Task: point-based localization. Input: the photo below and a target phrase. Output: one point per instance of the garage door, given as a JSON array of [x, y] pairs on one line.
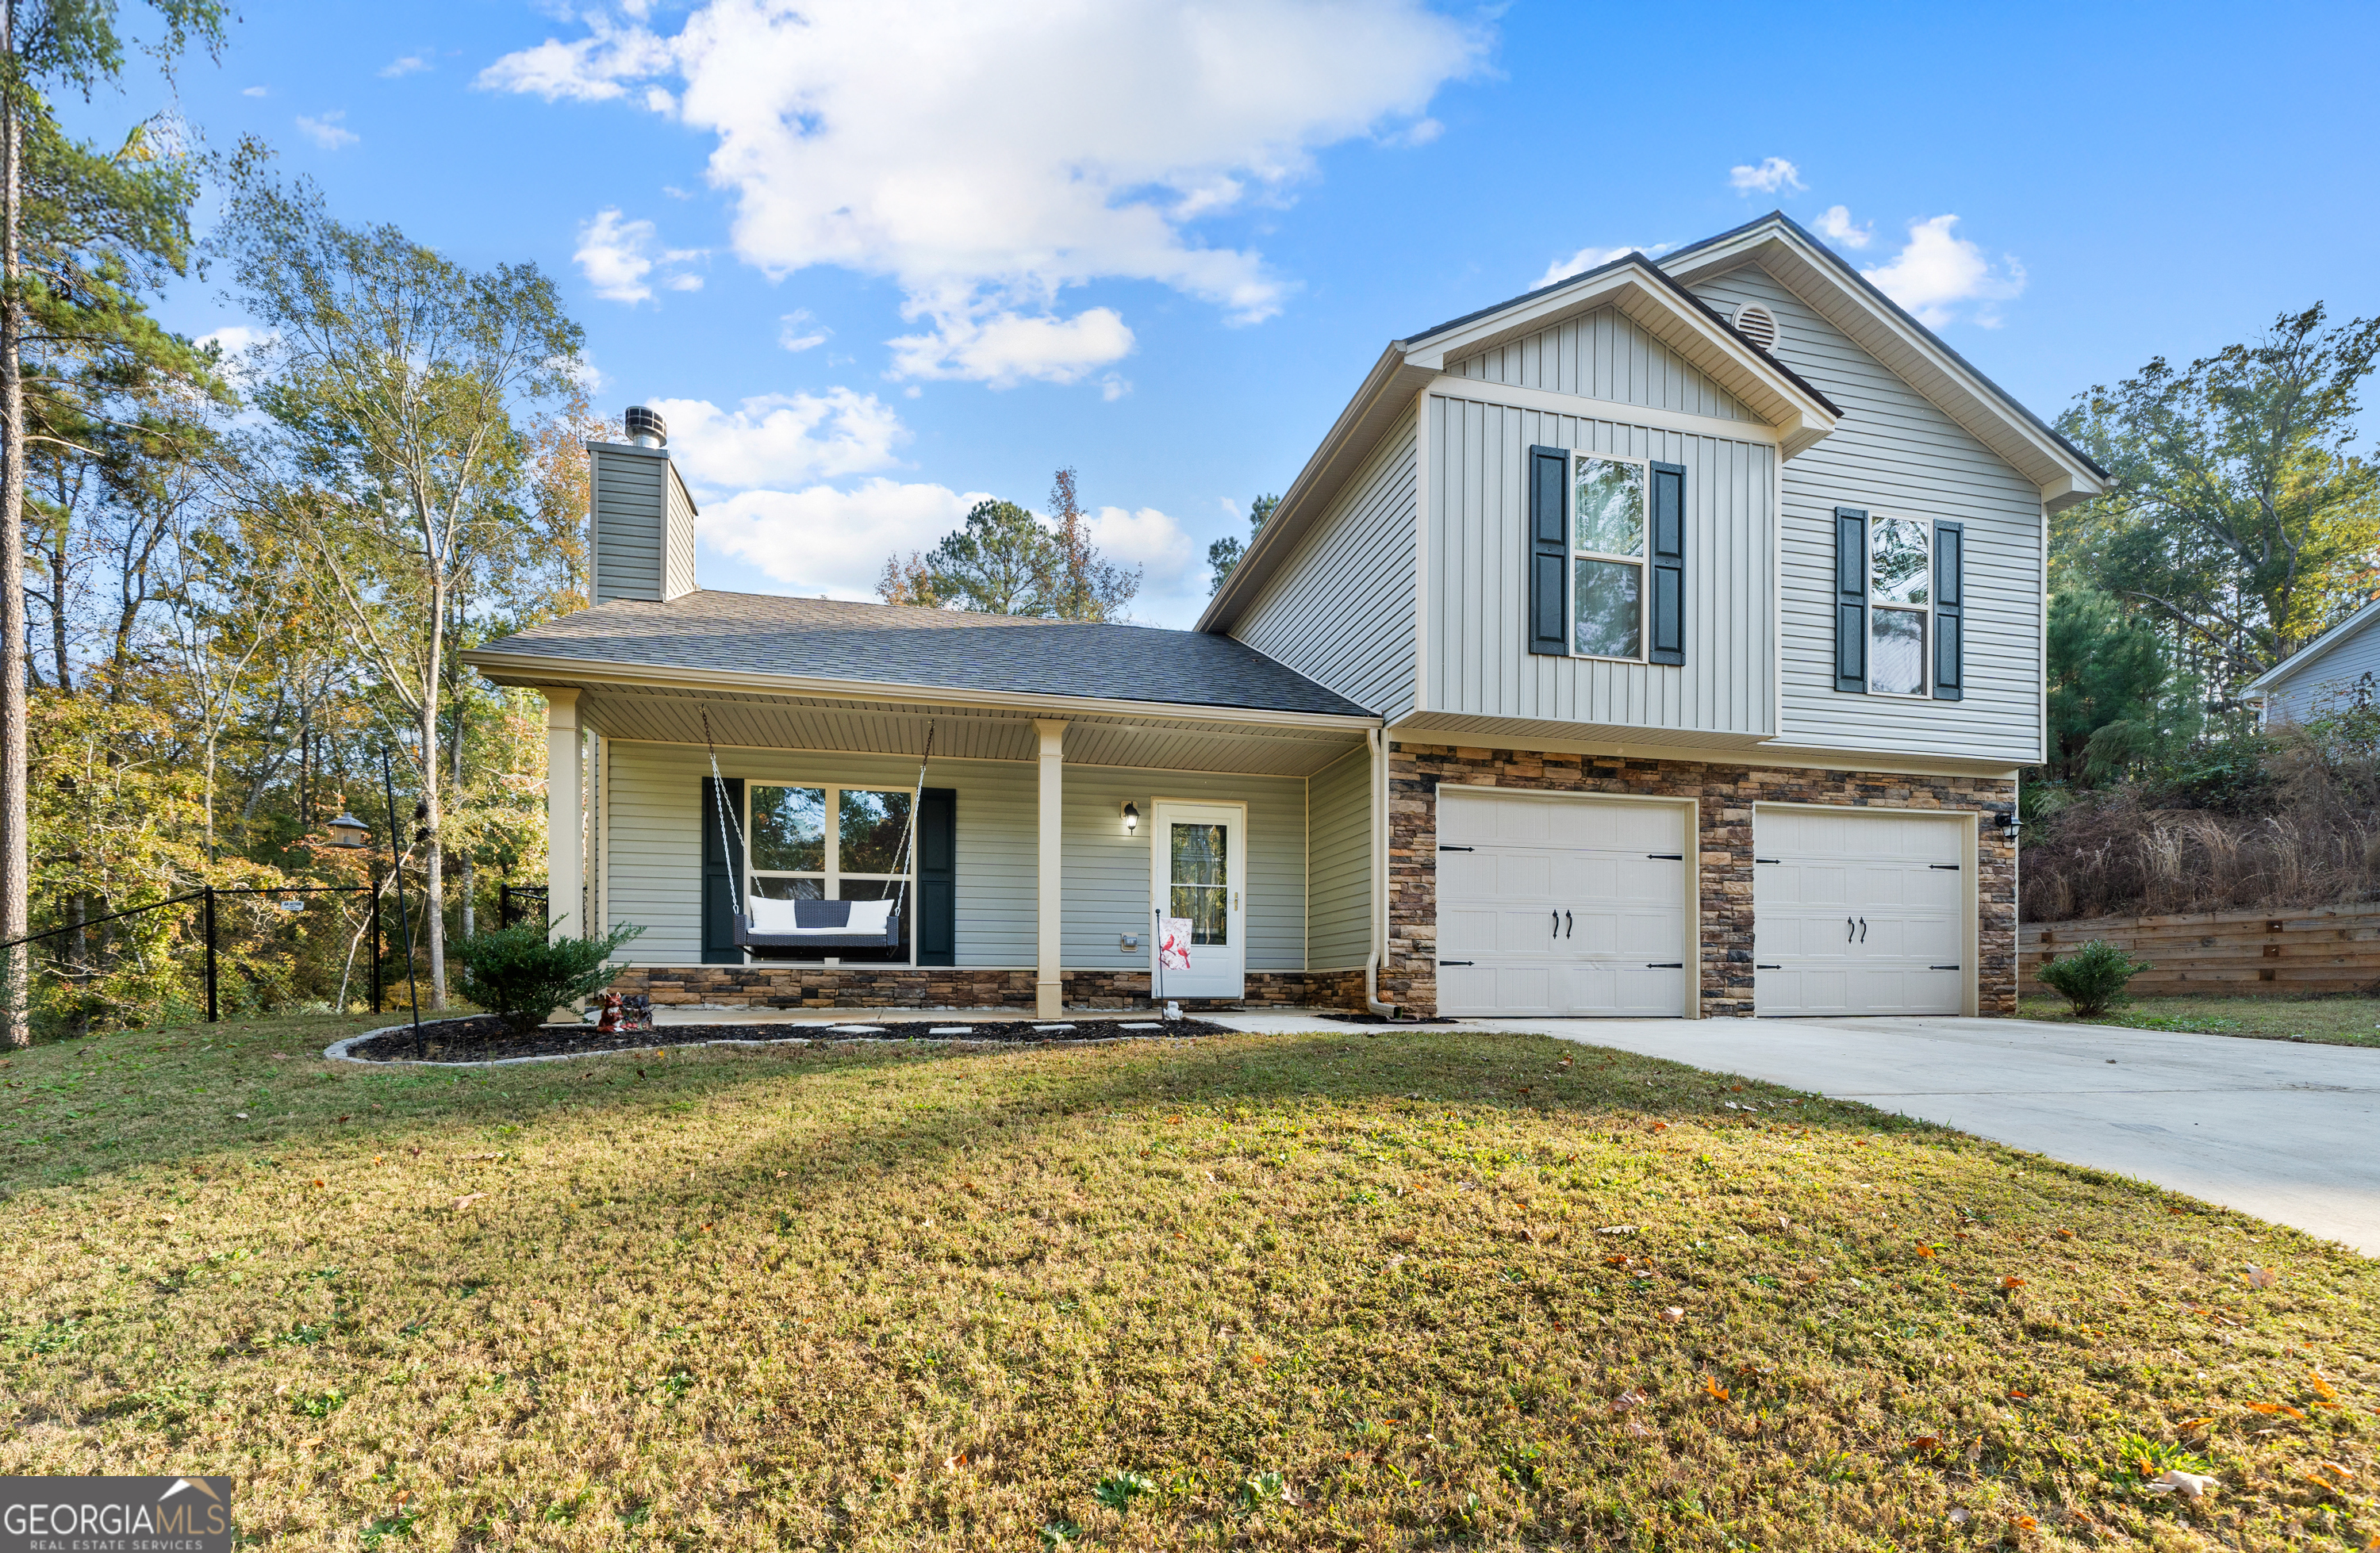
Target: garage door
[[1858, 912], [1559, 904]]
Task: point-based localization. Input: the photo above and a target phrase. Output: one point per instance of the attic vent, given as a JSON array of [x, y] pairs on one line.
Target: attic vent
[[1758, 326]]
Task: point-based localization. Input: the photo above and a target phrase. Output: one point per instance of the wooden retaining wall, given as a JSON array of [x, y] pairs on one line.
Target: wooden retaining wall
[[2225, 953]]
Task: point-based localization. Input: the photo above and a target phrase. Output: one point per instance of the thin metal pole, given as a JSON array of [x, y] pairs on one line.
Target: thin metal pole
[[404, 925], [207, 919], [375, 945]]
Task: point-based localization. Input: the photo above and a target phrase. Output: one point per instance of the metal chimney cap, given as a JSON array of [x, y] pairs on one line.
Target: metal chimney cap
[[646, 427]]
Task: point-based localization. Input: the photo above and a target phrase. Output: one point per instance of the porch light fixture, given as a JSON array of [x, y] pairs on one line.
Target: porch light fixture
[[348, 833], [1131, 819], [2007, 822]]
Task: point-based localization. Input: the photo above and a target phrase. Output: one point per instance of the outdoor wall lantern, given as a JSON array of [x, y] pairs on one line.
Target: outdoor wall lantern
[[2007, 822], [1131, 819], [348, 832]]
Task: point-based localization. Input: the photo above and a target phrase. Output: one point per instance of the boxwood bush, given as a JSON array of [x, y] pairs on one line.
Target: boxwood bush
[[519, 973]]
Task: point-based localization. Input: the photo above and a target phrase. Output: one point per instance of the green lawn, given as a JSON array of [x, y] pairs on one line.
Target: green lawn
[[2336, 1020], [1405, 1289]]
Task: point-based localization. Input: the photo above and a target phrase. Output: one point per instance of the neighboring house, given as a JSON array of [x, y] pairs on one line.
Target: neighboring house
[[2330, 672], [1665, 641]]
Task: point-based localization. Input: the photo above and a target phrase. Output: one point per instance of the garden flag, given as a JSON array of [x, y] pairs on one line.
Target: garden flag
[[1173, 943]]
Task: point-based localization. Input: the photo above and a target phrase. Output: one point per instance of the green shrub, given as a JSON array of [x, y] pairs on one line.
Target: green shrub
[[2093, 977], [517, 972]]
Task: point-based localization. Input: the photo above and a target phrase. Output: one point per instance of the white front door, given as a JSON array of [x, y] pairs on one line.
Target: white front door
[[1198, 867], [1560, 904], [1858, 911]]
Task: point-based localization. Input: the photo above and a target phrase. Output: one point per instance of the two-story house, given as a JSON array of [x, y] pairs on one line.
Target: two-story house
[[1665, 641]]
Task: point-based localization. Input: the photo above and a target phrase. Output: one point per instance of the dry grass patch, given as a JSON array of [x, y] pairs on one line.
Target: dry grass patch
[[1398, 1291], [2334, 1021]]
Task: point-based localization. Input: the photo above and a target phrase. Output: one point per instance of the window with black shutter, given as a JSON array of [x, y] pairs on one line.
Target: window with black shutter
[[722, 861], [1548, 553], [1850, 600], [1666, 609], [1949, 611]]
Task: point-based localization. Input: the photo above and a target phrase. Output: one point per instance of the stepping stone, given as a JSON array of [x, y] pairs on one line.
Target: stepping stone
[[1140, 1026], [1054, 1027], [952, 1030], [857, 1029]]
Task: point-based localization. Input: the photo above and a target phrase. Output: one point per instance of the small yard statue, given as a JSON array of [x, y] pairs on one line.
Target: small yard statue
[[632, 1011]]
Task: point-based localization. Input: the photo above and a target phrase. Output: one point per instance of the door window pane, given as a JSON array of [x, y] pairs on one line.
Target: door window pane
[[1610, 617], [1896, 655], [789, 829], [1200, 888], [1609, 507], [782, 889], [1900, 565], [873, 825]]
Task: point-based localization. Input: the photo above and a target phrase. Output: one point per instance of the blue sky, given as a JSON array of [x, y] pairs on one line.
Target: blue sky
[[875, 258]]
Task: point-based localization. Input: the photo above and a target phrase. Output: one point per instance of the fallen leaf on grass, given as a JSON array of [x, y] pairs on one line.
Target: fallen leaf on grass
[[2323, 1388], [2026, 1523], [466, 1201], [2275, 1408], [2011, 1282], [2344, 1475], [1617, 1229], [2189, 1485], [2193, 1423], [1711, 1388], [1960, 1517], [2261, 1278], [1925, 1251], [1628, 1399], [2065, 1234], [1639, 1430], [1673, 1314]]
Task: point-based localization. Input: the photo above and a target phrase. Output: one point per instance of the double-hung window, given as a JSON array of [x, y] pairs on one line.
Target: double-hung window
[[827, 843], [1606, 557], [1900, 605]]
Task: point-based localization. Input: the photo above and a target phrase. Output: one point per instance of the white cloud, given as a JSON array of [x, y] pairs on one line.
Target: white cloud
[[1004, 348], [1938, 272], [254, 91], [825, 540], [404, 65], [986, 156], [236, 337], [780, 440], [1835, 225], [797, 331], [1587, 259], [326, 132], [1771, 175], [618, 258]]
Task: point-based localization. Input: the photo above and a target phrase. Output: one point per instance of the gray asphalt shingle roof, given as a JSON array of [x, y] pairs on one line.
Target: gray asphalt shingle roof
[[942, 650]]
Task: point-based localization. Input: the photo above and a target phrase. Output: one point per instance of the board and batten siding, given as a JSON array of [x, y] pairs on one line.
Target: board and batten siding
[[1478, 658], [654, 809], [1341, 609], [1603, 356], [1338, 864], [2329, 683], [1895, 454]]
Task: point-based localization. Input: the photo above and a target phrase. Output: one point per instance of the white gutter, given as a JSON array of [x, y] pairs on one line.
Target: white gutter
[[1379, 752]]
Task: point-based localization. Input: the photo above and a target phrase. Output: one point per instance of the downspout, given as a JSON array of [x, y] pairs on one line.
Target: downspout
[[1379, 752]]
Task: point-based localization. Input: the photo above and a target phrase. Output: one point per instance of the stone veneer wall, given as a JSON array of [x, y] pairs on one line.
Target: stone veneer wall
[[781, 985], [1409, 974]]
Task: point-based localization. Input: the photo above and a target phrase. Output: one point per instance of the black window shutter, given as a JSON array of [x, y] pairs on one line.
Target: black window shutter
[[722, 860], [1549, 559], [938, 896], [1949, 611], [1850, 600], [1667, 554]]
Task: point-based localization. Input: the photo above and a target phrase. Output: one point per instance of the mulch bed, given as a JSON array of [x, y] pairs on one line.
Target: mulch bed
[[484, 1038]]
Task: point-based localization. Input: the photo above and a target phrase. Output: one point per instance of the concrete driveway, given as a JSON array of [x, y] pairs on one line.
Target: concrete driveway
[[2286, 1132]]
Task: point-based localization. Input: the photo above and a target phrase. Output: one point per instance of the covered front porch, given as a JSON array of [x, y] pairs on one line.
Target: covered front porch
[[1029, 866]]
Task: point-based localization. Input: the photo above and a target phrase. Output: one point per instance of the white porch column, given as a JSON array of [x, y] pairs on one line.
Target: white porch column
[[566, 855], [1049, 987]]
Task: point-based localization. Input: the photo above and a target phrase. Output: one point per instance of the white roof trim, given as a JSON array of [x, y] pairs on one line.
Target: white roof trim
[[2318, 648], [1907, 347], [1799, 416]]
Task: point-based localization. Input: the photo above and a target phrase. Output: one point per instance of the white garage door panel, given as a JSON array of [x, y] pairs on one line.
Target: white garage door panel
[[1556, 907], [1858, 913]]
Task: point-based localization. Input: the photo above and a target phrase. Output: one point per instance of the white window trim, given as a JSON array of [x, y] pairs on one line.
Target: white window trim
[[831, 879], [1640, 560], [1925, 691]]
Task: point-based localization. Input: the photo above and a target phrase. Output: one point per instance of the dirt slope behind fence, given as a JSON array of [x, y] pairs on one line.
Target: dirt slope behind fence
[[2225, 953]]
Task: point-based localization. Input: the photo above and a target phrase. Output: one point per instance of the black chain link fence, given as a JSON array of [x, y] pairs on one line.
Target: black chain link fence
[[213, 954]]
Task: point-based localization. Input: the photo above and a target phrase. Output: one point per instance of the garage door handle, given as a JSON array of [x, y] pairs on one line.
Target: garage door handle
[[1557, 916], [1941, 967], [1951, 868], [1851, 929], [1567, 925], [1667, 856], [1454, 961], [1862, 929], [1443, 847], [1764, 859], [1760, 967], [1666, 966]]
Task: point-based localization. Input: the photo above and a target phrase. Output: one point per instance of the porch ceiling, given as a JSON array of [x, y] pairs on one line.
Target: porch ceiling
[[753, 721]]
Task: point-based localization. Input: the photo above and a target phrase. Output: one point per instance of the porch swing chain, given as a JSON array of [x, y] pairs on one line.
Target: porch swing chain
[[727, 817]]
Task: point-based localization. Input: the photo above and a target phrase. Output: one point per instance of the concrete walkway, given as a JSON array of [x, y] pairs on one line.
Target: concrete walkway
[[2286, 1132]]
